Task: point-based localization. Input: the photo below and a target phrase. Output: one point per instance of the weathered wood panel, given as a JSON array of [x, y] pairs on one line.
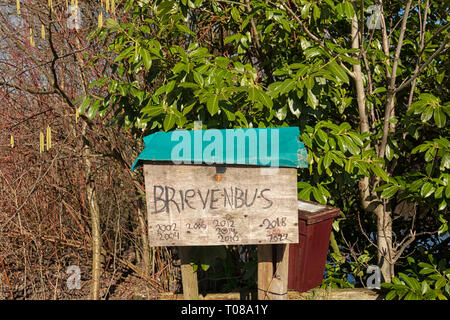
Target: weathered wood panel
[[191, 205]]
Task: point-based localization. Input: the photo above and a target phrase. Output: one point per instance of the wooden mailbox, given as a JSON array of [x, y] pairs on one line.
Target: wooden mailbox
[[222, 187], [208, 205]]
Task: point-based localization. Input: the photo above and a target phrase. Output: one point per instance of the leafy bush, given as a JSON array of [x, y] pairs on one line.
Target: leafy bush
[[422, 281]]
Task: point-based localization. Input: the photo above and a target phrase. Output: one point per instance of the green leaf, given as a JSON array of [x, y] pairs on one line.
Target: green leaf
[[184, 28], [327, 160], [112, 24], [170, 86], [152, 110], [439, 117], [235, 14], [353, 61], [389, 192], [411, 296], [169, 121], [356, 138], [319, 196], [316, 12], [389, 152], [146, 58], [445, 162], [429, 98], [305, 11], [427, 114], [348, 9], [86, 102], [312, 100], [312, 52], [205, 267], [338, 71], [322, 135], [305, 193], [180, 66], [233, 37], [427, 189], [380, 172], [440, 283], [351, 146], [391, 295], [426, 271], [285, 25], [281, 113], [93, 109], [411, 282], [212, 104], [198, 78], [418, 107], [264, 98], [287, 85]]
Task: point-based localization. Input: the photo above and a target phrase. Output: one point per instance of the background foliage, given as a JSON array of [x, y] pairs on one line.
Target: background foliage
[[259, 64], [372, 105]]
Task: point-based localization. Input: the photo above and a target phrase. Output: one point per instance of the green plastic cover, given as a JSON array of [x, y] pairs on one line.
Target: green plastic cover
[[271, 147]]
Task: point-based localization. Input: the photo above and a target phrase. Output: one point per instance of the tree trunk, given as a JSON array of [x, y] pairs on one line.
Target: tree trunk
[[144, 238], [91, 195], [370, 202], [384, 243]]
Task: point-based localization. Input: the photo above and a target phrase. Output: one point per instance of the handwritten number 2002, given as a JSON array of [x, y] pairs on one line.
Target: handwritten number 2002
[[167, 231]]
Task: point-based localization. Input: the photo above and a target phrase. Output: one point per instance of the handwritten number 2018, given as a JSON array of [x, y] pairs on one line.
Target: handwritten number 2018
[[272, 224]]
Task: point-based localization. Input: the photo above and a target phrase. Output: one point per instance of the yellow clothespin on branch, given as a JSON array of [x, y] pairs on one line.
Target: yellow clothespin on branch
[[49, 138], [31, 37], [100, 19], [12, 141], [41, 142], [42, 31], [18, 6]]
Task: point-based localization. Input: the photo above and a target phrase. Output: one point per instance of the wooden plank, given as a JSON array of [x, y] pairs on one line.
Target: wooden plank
[[190, 205], [265, 271], [188, 276], [209, 296], [273, 268], [313, 294], [279, 285]]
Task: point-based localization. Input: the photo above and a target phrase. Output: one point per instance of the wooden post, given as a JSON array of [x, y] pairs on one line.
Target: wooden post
[[265, 270], [273, 265], [279, 285], [188, 276]]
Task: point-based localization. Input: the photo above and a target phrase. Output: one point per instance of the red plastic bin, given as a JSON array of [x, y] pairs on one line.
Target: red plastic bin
[[307, 258]]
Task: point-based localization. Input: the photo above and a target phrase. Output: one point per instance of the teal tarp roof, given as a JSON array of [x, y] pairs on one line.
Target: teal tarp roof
[[272, 147]]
